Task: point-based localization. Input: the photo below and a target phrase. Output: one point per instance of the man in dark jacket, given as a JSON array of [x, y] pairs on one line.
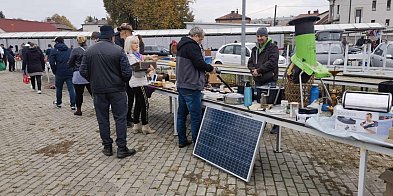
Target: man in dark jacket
[[190, 80], [263, 62], [106, 67], [11, 58], [58, 60]]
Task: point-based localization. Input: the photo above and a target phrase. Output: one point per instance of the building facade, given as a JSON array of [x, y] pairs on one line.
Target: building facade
[[361, 11]]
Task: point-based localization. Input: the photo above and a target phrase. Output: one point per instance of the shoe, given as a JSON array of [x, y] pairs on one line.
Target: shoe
[[33, 90], [39, 92], [73, 108], [137, 128], [185, 145], [147, 130], [275, 129], [57, 105], [78, 113], [108, 151], [125, 152], [129, 124]]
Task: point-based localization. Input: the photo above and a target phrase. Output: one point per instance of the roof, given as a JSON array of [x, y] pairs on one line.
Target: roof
[[232, 16], [209, 32], [19, 25], [97, 22], [61, 26]]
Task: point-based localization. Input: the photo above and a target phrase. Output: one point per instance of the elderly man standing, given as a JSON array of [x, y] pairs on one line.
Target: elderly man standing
[[124, 31], [106, 67], [263, 62], [190, 80]]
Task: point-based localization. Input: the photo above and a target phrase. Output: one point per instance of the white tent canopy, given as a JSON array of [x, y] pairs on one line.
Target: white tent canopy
[[182, 32]]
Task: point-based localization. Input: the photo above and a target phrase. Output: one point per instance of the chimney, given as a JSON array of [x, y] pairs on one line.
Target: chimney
[[237, 11], [316, 11], [103, 18], [309, 12], [232, 12]]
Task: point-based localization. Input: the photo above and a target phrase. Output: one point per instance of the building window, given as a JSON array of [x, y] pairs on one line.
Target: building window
[[338, 9], [374, 6], [387, 22], [358, 16], [372, 21], [388, 5]]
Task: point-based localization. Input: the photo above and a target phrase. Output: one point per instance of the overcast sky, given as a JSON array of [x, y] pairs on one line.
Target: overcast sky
[[204, 10]]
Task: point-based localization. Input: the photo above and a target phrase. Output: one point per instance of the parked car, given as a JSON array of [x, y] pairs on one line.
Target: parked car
[[336, 52], [230, 54], [156, 50], [376, 58]]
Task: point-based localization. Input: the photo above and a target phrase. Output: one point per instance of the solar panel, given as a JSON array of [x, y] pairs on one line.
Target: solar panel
[[229, 141]]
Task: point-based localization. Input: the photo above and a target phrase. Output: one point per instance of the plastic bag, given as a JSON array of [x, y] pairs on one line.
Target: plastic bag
[[26, 79]]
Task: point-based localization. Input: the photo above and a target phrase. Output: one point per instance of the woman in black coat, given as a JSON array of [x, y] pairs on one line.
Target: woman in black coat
[[34, 65]]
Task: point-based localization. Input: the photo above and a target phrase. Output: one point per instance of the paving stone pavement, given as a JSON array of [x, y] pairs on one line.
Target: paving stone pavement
[[49, 151]]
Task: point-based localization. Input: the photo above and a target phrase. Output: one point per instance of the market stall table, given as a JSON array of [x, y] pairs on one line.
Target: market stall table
[[284, 120]]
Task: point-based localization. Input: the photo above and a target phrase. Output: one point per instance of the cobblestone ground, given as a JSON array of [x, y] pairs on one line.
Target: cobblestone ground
[[49, 151]]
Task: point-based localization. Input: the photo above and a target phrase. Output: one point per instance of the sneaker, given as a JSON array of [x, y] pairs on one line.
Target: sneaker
[[147, 130], [39, 92], [33, 90], [108, 151], [137, 128], [185, 144], [125, 152], [78, 113], [57, 105], [73, 108]]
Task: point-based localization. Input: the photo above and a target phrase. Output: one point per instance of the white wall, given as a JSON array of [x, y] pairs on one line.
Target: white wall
[[380, 15]]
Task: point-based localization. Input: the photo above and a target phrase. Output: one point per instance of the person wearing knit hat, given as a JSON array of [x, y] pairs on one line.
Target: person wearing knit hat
[[263, 63], [106, 67], [80, 83]]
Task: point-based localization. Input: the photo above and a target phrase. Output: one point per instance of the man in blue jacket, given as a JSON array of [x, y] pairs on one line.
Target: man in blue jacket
[[190, 81], [106, 67], [58, 60]]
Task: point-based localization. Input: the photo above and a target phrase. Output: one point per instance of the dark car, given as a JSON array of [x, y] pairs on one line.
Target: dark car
[[156, 50]]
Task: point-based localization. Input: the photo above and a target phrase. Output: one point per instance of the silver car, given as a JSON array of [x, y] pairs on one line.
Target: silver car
[[336, 52], [376, 58]]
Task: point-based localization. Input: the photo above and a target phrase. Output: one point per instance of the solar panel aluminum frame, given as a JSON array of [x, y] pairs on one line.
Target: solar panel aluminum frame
[[255, 149]]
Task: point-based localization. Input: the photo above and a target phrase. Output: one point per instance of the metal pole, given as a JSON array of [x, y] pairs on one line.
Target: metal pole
[[329, 53], [350, 10], [362, 171], [301, 90], [243, 40], [275, 14]]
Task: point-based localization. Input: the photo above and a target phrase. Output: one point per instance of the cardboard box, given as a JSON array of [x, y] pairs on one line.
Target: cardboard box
[[387, 176], [363, 121], [213, 79]]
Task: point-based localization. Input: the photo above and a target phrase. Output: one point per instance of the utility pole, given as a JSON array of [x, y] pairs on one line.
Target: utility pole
[[350, 10], [243, 40], [275, 14]]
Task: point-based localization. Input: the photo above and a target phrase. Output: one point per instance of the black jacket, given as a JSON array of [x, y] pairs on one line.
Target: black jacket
[[106, 67], [118, 40], [34, 60], [76, 57], [266, 63], [10, 55], [58, 60], [190, 65]]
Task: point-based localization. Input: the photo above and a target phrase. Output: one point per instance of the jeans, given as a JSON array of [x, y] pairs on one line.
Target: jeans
[[190, 101], [59, 81], [33, 79], [79, 90], [141, 105], [118, 103]]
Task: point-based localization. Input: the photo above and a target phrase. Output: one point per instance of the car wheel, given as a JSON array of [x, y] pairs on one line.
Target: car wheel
[[218, 62]]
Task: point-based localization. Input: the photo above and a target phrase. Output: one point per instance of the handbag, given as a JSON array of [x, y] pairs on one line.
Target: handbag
[[26, 79]]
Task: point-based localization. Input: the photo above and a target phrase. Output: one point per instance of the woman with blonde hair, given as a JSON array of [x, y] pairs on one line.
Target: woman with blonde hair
[[138, 82], [80, 83]]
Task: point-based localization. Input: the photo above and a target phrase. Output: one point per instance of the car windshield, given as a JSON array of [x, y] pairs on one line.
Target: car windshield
[[323, 48]]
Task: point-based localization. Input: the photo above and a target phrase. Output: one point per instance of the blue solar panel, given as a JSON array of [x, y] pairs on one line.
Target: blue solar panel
[[229, 141]]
